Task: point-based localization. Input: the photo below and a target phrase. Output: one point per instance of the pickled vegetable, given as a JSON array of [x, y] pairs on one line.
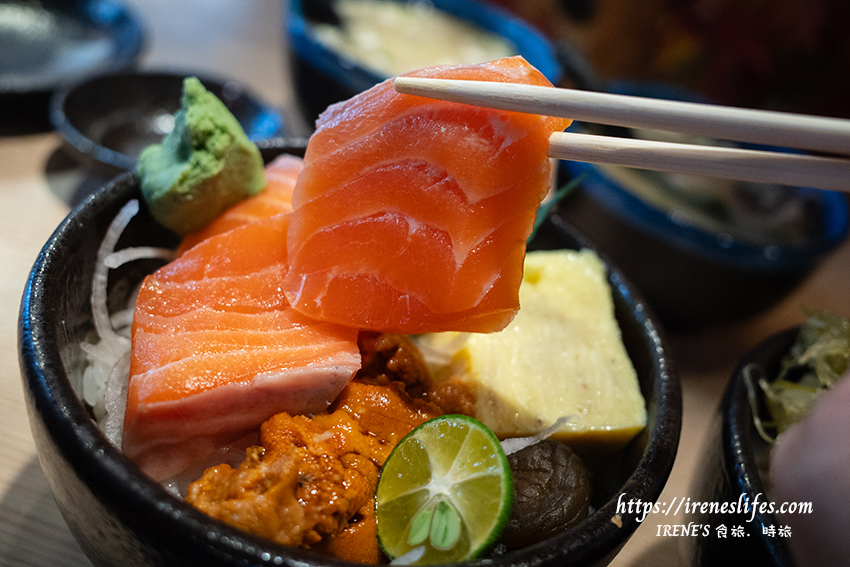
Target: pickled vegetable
[[818, 358]]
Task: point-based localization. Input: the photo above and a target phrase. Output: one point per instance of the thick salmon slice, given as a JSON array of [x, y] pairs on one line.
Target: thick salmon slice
[[217, 350], [276, 198], [411, 214]]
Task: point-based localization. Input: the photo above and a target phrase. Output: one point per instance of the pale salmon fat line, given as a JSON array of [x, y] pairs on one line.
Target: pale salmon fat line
[[419, 208]]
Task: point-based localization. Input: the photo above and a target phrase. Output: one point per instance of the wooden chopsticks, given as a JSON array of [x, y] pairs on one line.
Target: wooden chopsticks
[[803, 132]]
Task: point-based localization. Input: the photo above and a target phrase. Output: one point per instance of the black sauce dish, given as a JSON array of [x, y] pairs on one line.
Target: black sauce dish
[[45, 44], [121, 517], [702, 261], [735, 457], [109, 119], [322, 76]]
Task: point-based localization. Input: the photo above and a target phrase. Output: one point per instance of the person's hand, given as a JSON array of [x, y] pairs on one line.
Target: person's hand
[[811, 463]]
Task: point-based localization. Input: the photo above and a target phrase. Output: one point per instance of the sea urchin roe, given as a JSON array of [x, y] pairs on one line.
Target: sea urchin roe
[[295, 489], [388, 357], [391, 357], [313, 478]]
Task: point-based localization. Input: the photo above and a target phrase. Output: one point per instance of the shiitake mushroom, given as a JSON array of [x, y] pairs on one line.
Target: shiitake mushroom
[[552, 490]]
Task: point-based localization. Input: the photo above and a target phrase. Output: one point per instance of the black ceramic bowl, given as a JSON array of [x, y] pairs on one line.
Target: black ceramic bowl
[[703, 260], [731, 473], [121, 517], [322, 76], [111, 118]]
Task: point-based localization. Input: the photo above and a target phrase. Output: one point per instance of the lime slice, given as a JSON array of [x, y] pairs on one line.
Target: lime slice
[[445, 493]]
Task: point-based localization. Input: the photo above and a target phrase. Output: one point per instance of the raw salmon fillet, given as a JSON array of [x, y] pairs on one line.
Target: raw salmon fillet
[[411, 214], [217, 350], [276, 198]]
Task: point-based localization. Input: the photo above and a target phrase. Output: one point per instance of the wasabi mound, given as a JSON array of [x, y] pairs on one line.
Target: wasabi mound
[[204, 166]]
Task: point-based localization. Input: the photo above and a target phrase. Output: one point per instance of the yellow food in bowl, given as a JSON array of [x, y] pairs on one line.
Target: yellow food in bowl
[[394, 37], [561, 356]]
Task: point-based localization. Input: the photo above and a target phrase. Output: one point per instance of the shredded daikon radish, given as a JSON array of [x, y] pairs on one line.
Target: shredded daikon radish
[[410, 557], [121, 321], [115, 400], [104, 386], [116, 343], [441, 352], [121, 257], [518, 443]]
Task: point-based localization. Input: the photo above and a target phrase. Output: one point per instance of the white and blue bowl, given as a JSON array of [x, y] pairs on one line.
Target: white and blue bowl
[[694, 276], [323, 76]]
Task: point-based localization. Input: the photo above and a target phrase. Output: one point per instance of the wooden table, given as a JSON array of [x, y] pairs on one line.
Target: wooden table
[[244, 40]]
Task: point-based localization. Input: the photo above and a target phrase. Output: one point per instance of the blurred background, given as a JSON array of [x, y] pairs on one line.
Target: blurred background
[[779, 54]]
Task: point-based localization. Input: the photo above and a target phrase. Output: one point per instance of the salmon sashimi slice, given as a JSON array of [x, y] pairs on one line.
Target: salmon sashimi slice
[[276, 198], [411, 214], [217, 350]]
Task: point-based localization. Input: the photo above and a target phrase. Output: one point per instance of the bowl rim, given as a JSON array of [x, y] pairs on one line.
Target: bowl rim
[[737, 436], [114, 17], [530, 43], [90, 454], [704, 242], [86, 146]]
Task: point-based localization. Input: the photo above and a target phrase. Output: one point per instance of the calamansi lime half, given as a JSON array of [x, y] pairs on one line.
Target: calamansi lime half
[[445, 493]]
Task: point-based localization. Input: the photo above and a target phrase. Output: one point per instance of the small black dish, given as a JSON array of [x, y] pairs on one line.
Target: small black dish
[[731, 475], [122, 517], [111, 118], [47, 43]]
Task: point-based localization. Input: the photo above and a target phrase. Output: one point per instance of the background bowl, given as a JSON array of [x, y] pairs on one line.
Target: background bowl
[[323, 76], [44, 44], [696, 273], [121, 517], [111, 118], [733, 452]]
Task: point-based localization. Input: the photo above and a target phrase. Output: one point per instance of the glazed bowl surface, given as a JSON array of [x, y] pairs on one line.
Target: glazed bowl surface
[[121, 517], [735, 459]]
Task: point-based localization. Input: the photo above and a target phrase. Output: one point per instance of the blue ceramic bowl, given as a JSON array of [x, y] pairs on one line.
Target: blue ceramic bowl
[[122, 517], [109, 119], [696, 274], [323, 76]]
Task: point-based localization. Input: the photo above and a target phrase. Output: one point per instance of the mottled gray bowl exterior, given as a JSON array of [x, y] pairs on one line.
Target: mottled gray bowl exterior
[[121, 517]]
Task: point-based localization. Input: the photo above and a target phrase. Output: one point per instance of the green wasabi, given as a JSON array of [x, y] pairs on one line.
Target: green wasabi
[[204, 166]]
